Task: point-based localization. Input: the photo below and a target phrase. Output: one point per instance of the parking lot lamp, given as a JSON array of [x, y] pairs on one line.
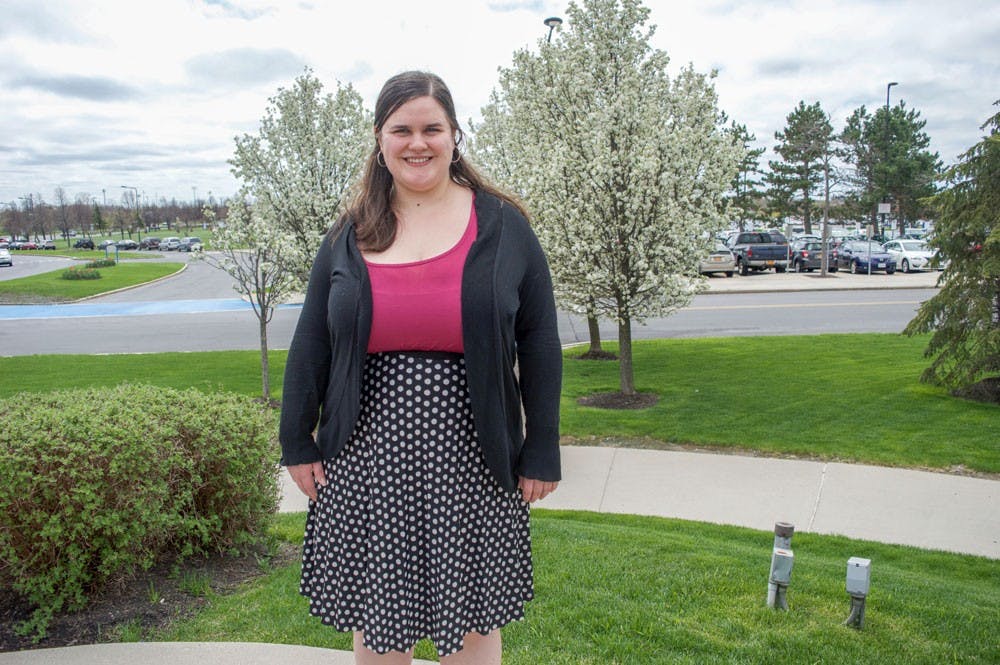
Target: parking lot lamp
[[552, 23]]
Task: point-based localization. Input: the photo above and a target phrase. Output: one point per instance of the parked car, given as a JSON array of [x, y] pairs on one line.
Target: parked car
[[48, 244], [911, 254], [807, 255], [720, 260], [170, 243], [759, 251], [28, 244], [854, 256], [189, 244], [149, 242], [84, 243], [126, 244], [5, 258]]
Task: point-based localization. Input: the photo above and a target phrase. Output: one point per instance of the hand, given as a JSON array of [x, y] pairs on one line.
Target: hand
[[307, 477], [533, 490]]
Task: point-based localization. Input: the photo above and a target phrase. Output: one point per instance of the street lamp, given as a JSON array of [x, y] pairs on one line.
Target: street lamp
[[885, 199], [551, 22], [138, 225]]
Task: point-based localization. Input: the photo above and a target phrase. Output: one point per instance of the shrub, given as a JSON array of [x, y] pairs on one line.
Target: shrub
[[98, 483], [81, 273], [101, 263]]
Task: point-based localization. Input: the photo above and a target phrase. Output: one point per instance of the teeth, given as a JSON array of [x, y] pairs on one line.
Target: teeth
[[418, 160]]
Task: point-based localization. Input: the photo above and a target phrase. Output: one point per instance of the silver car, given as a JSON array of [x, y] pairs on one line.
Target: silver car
[[720, 260], [5, 258]]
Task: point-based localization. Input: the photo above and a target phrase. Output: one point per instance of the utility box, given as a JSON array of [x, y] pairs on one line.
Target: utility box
[[859, 576]]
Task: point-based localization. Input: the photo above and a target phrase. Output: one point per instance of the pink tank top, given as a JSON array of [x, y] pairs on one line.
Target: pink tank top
[[417, 306]]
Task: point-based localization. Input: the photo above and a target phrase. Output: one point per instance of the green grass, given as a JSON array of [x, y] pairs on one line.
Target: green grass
[[844, 397], [86, 254], [710, 396], [51, 287], [625, 589]]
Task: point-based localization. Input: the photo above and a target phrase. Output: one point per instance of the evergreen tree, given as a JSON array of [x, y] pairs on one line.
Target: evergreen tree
[[890, 160], [964, 314], [745, 201], [804, 145]]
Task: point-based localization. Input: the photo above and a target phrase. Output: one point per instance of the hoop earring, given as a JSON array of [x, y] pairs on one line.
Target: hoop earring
[[456, 156], [379, 159]]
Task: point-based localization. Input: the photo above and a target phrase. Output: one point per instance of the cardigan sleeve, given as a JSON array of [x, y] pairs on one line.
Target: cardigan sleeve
[[539, 358], [307, 369]]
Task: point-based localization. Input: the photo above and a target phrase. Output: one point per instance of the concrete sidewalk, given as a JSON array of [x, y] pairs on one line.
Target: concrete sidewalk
[[901, 506]]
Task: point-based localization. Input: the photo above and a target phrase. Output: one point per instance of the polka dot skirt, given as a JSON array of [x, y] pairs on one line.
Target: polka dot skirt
[[413, 537]]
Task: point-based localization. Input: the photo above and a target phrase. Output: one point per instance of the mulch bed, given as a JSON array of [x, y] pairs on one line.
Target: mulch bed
[[619, 400], [150, 600]]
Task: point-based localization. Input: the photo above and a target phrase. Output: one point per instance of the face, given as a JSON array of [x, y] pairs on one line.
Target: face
[[417, 144]]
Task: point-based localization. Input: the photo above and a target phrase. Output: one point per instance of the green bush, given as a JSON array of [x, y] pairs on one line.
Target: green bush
[[81, 273], [102, 263], [98, 483]]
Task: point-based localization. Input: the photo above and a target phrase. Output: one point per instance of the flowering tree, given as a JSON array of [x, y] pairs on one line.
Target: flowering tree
[[295, 174], [260, 257], [298, 168], [623, 167]]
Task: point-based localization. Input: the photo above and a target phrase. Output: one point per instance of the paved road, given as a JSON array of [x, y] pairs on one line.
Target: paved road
[[734, 307]]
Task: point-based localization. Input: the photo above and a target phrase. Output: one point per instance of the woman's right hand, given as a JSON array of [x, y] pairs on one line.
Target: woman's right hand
[[308, 477]]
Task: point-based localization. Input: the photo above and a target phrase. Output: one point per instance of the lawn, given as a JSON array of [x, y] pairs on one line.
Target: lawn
[[625, 589], [816, 405], [51, 287], [838, 397]]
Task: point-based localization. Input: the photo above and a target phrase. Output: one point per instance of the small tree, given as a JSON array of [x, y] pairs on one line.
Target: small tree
[[965, 314], [260, 257]]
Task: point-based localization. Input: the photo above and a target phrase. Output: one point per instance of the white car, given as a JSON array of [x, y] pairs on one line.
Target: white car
[[911, 255], [170, 243], [5, 259]]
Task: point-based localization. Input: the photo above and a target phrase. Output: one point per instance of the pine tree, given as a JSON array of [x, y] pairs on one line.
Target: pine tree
[[804, 143], [745, 201], [964, 315]]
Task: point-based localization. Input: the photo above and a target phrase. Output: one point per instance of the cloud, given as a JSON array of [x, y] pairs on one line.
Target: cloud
[[244, 66], [35, 20], [516, 5], [232, 10], [94, 88]]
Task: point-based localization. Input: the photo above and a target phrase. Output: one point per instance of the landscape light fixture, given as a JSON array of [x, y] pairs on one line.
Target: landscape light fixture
[[859, 577], [782, 559], [552, 22]]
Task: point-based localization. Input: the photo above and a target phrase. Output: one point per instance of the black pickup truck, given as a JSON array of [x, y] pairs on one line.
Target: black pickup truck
[[759, 250]]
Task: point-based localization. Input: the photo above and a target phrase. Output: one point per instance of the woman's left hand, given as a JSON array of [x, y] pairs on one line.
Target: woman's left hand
[[533, 490]]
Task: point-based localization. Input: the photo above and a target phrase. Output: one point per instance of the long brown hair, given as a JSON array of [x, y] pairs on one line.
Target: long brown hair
[[371, 211]]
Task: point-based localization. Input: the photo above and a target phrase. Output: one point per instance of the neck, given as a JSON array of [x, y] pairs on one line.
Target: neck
[[404, 200]]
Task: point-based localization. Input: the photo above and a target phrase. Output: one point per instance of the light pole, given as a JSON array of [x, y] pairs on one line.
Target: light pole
[[552, 23], [885, 197], [138, 221]]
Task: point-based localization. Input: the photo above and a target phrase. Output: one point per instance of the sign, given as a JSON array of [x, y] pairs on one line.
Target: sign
[[884, 208]]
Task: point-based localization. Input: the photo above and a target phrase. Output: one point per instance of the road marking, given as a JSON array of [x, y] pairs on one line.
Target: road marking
[[805, 304]]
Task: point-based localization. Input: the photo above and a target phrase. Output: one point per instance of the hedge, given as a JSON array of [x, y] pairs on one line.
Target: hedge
[[96, 484], [81, 273]]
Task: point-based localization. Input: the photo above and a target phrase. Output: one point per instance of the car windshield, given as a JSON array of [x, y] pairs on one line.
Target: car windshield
[[914, 246]]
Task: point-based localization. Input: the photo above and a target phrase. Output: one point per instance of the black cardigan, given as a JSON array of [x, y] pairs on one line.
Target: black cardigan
[[508, 313]]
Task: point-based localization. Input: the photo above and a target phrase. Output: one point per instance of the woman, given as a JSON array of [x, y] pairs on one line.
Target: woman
[[421, 470]]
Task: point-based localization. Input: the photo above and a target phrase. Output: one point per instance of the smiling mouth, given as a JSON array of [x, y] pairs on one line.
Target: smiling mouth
[[417, 160]]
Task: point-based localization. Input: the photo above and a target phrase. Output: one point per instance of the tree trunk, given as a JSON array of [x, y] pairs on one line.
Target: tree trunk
[[626, 376], [595, 334], [265, 369]]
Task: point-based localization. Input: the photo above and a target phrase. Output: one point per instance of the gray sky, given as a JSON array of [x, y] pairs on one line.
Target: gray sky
[[103, 93]]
